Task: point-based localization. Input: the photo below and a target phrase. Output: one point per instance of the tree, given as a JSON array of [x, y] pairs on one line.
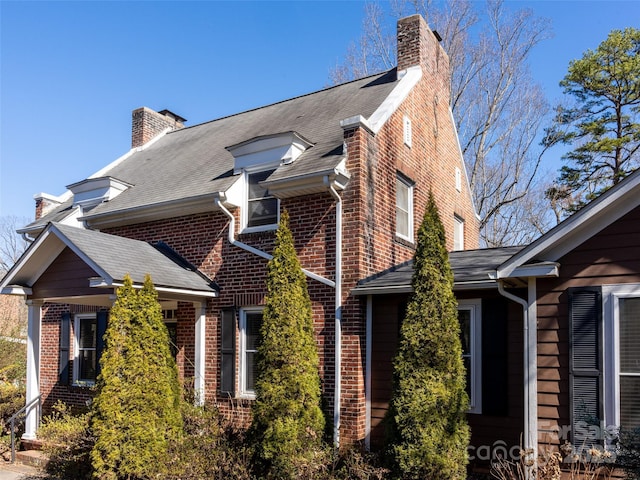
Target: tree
[[498, 108], [429, 434], [137, 409], [603, 125], [13, 311], [288, 422]]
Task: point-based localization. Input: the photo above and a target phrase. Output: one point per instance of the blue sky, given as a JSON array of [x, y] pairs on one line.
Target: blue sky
[[72, 72]]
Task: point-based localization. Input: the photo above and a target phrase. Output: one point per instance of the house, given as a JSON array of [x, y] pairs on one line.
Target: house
[[550, 331], [196, 207]]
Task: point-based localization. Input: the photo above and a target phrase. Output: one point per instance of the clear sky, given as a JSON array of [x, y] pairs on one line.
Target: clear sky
[[72, 72]]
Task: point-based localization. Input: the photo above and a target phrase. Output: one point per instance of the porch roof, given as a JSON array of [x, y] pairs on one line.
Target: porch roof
[[471, 270], [111, 257]]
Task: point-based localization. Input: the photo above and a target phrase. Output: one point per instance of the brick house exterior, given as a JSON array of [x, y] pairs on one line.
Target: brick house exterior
[[353, 165]]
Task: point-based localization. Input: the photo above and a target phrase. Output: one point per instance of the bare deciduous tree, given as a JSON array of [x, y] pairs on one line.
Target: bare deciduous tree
[[497, 106], [12, 245]]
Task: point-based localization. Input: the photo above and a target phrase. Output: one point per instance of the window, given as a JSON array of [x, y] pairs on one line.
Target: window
[[404, 208], [85, 361], [469, 314], [262, 212], [458, 233], [407, 130], [458, 179], [622, 356], [250, 322]]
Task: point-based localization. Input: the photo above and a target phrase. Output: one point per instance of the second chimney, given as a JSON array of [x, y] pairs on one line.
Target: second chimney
[[147, 124]]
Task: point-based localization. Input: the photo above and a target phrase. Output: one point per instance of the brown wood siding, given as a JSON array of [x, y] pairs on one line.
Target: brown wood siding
[[610, 257], [67, 276], [486, 430]]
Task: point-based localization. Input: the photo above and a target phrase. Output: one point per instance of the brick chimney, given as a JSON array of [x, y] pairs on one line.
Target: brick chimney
[[147, 124], [45, 203], [418, 45]]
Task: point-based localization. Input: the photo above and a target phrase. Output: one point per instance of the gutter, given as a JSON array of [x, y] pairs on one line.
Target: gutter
[[530, 370]]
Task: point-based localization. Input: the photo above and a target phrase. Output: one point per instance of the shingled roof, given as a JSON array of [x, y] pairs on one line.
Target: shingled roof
[[193, 162], [471, 269]]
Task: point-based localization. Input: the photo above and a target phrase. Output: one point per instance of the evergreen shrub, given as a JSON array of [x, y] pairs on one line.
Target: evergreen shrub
[[428, 431]]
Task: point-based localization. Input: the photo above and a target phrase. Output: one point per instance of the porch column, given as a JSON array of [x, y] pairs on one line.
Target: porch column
[[199, 360], [33, 369]]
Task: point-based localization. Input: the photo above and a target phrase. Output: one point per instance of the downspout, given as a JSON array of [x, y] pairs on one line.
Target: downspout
[[337, 285], [338, 316], [530, 371], [260, 253]]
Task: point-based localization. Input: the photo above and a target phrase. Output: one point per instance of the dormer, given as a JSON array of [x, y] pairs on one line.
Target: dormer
[[93, 191], [268, 152], [255, 160]]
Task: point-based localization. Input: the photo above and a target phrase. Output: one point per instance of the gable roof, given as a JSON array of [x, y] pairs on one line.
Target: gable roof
[[111, 257], [192, 164], [471, 270], [576, 229]]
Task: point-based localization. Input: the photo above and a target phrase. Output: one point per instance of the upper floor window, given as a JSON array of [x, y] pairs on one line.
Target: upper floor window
[[404, 208], [469, 315], [406, 121], [85, 361], [263, 209], [250, 322], [458, 233]]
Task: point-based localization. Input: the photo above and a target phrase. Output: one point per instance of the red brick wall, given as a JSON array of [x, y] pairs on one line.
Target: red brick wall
[[370, 244]]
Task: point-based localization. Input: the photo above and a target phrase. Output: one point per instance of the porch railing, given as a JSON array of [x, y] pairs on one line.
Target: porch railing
[[16, 416]]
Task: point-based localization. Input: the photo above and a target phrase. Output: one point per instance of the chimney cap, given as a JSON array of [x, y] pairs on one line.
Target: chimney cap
[[174, 116]]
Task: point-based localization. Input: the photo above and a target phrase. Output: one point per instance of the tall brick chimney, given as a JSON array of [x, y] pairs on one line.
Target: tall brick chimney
[[418, 45], [147, 123]]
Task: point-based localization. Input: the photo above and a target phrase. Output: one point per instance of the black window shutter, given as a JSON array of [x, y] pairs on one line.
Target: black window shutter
[[101, 328], [494, 357], [585, 362], [65, 334], [228, 351]]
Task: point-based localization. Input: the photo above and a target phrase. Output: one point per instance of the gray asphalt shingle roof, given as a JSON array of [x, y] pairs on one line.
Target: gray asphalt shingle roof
[[467, 265], [118, 256], [193, 162]]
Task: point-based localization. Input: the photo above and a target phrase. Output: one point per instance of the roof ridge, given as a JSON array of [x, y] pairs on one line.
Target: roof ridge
[[308, 94]]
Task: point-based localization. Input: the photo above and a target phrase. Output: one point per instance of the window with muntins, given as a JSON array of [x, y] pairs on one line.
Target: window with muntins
[[469, 315], [250, 322], [262, 208], [85, 364], [404, 208], [622, 356]]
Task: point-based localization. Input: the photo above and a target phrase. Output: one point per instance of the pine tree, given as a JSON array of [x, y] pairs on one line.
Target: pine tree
[[137, 408], [603, 126], [428, 432], [287, 422]]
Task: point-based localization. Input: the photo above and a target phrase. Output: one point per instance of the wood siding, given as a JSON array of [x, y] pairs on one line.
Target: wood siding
[[610, 257], [67, 276], [487, 431]]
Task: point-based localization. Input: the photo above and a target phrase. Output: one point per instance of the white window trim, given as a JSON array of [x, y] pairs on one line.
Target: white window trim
[[458, 233], [409, 184], [611, 295], [76, 349], [244, 392], [475, 307], [244, 212]]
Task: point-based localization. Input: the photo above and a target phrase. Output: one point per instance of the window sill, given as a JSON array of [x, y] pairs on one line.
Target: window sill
[[262, 228], [404, 241], [83, 384]]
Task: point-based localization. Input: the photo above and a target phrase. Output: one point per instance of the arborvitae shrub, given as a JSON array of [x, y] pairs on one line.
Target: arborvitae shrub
[[137, 409], [288, 423], [428, 434]]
